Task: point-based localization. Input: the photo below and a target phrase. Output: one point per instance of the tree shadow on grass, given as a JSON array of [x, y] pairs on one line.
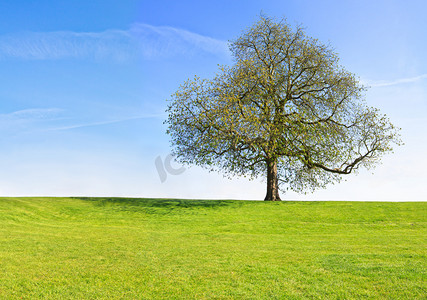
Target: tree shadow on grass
[[158, 206]]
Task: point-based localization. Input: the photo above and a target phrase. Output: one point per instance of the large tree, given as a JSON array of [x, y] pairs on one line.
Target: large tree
[[285, 109]]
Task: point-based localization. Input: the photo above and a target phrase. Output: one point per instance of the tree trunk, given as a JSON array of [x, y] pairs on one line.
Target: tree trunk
[[272, 182]]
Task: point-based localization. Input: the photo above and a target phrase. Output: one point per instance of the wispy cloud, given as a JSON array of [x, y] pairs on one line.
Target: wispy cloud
[[139, 41], [22, 120], [31, 114], [55, 119], [383, 83], [166, 40], [107, 122]]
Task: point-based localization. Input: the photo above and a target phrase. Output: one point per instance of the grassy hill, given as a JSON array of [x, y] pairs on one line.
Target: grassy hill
[[104, 248]]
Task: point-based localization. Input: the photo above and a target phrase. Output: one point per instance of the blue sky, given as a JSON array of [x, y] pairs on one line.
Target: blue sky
[[84, 84]]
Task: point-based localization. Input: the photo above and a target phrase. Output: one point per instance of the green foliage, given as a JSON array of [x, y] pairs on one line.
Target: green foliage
[[114, 248], [285, 100]]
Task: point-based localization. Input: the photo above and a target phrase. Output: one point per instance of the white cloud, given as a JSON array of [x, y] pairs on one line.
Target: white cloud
[[140, 40], [26, 118], [166, 40], [99, 123], [383, 83], [54, 119], [31, 114]]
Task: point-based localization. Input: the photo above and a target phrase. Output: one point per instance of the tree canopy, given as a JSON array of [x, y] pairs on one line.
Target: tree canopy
[[285, 110]]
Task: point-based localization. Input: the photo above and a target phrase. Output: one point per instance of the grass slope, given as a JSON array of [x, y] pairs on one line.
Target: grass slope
[[103, 248]]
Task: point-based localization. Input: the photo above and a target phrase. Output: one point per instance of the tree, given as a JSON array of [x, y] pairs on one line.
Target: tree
[[286, 110]]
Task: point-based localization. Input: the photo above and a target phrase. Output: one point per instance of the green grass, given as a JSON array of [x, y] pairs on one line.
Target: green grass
[[110, 248]]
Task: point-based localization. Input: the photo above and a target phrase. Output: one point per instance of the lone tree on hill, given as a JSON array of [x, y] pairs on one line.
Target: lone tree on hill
[[285, 110]]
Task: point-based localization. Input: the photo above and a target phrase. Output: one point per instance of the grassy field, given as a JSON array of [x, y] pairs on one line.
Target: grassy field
[[104, 248]]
